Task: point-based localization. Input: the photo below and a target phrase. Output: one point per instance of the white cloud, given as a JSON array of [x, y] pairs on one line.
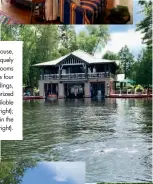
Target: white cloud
[[60, 179], [131, 38], [68, 170]]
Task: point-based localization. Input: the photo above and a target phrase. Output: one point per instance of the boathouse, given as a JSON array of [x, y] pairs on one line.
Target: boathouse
[[77, 74]]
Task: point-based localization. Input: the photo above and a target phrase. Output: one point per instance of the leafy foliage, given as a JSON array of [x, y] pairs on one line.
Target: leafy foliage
[[141, 71], [127, 60], [139, 88], [145, 26], [129, 86], [12, 172], [111, 56], [93, 37]]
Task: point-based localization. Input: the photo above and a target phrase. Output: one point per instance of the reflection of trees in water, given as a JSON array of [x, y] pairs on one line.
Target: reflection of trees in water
[[147, 162], [140, 111], [13, 172], [146, 113], [85, 117], [38, 135]]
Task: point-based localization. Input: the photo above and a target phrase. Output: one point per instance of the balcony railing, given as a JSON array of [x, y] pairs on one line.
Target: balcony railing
[[74, 76]]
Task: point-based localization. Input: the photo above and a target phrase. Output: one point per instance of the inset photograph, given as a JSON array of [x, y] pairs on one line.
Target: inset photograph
[[66, 12], [29, 172]]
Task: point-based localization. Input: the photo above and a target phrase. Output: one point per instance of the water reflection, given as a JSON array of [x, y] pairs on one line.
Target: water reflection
[[113, 136]]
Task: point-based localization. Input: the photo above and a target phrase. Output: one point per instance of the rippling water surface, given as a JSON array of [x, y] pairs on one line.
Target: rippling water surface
[[113, 136]]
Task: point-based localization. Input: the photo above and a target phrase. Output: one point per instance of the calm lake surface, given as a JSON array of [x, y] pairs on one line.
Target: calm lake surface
[[113, 136]]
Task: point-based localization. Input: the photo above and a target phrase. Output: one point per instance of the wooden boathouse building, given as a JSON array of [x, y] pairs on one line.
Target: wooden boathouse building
[[77, 74]]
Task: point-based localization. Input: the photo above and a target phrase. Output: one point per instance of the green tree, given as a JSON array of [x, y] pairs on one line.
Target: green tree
[[127, 60], [93, 36], [13, 172], [45, 48], [145, 26], [144, 68], [111, 56], [67, 37]]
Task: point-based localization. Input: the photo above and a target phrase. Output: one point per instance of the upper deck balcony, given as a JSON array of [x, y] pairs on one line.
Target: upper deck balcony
[[77, 76]]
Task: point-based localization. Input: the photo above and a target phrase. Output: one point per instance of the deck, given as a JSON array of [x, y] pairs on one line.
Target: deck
[[129, 96], [76, 76], [32, 97], [109, 96]]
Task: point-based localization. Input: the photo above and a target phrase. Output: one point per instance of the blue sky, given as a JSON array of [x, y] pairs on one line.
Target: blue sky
[[122, 35], [56, 173]]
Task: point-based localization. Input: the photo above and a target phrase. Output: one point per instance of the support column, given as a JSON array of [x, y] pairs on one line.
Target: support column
[[107, 87], [87, 90], [61, 90], [111, 87], [41, 88]]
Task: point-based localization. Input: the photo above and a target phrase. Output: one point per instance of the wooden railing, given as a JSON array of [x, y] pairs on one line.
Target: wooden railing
[[98, 75], [73, 76], [76, 76]]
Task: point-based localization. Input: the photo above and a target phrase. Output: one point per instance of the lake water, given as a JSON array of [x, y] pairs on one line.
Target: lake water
[[113, 136]]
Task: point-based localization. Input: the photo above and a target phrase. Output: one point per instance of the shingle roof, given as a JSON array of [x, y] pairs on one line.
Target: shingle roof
[[88, 58]]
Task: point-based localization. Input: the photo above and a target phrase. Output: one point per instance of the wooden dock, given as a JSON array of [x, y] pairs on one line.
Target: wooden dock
[[32, 97], [109, 96], [129, 96]]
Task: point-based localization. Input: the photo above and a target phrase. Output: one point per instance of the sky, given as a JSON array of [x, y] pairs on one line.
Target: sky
[[122, 35], [56, 173]]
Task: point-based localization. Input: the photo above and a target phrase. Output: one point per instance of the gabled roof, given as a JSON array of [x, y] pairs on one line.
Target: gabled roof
[[88, 58]]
